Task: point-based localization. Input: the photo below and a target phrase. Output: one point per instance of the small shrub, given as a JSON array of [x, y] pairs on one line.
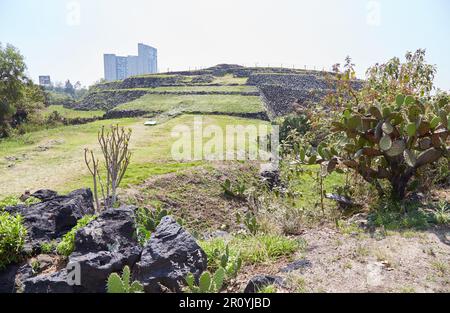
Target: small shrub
[[67, 244], [35, 266], [441, 214], [250, 222], [13, 201], [268, 289], [399, 216], [208, 283], [48, 247], [12, 238], [299, 124], [117, 284], [9, 201]]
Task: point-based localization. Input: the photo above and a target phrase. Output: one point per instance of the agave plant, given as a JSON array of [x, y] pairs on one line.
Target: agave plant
[[389, 141]]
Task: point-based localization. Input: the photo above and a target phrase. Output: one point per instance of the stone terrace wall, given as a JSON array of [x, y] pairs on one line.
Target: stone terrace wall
[[294, 81], [107, 100], [279, 92], [279, 99]]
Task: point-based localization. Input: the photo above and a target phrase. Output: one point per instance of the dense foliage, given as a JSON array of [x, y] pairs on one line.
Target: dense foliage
[[388, 129], [67, 244], [20, 98], [12, 238]]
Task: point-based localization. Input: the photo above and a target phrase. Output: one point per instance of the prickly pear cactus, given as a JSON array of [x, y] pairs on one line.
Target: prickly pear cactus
[[389, 141], [207, 283], [117, 284]]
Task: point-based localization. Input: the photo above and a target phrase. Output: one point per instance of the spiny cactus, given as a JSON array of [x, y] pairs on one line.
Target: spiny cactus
[[388, 141], [117, 284], [237, 191], [207, 283], [231, 264], [148, 220]]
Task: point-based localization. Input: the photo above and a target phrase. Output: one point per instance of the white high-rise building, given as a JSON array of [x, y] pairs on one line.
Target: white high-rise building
[[148, 60], [110, 65], [118, 67]]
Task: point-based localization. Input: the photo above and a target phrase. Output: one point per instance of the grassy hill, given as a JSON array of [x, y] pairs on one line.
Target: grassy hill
[[222, 89], [53, 158]]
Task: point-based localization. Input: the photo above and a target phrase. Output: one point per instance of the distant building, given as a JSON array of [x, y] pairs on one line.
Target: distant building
[[118, 67], [110, 65], [45, 81]]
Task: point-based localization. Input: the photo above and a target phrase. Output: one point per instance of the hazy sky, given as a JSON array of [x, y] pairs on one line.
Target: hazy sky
[[58, 41]]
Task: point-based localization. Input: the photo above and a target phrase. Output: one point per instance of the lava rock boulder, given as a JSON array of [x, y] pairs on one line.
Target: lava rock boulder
[[54, 216], [170, 254]]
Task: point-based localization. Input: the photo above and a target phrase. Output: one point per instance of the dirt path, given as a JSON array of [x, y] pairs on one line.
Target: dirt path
[[399, 262]]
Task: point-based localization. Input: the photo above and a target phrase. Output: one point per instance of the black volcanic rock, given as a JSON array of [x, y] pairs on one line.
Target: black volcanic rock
[[170, 254]]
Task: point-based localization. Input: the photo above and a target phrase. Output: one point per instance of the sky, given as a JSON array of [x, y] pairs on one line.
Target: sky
[[67, 39]]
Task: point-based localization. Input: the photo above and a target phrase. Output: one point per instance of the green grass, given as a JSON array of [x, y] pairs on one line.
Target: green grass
[[67, 244], [62, 166], [268, 289], [156, 75], [307, 189], [241, 88], [229, 79], [195, 103], [253, 249], [70, 113]]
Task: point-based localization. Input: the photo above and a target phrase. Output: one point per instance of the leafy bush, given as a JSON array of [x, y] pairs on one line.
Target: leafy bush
[[67, 244], [441, 213], [117, 284], [9, 201], [13, 201], [207, 283], [389, 141], [293, 124], [48, 247], [12, 238]]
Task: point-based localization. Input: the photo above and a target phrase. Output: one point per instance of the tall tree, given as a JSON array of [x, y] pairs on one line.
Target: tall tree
[[69, 89], [12, 84]]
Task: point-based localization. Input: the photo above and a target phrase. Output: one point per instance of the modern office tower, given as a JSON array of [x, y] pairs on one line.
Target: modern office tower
[[147, 59], [132, 65], [121, 67], [118, 67], [45, 81], [110, 67]]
